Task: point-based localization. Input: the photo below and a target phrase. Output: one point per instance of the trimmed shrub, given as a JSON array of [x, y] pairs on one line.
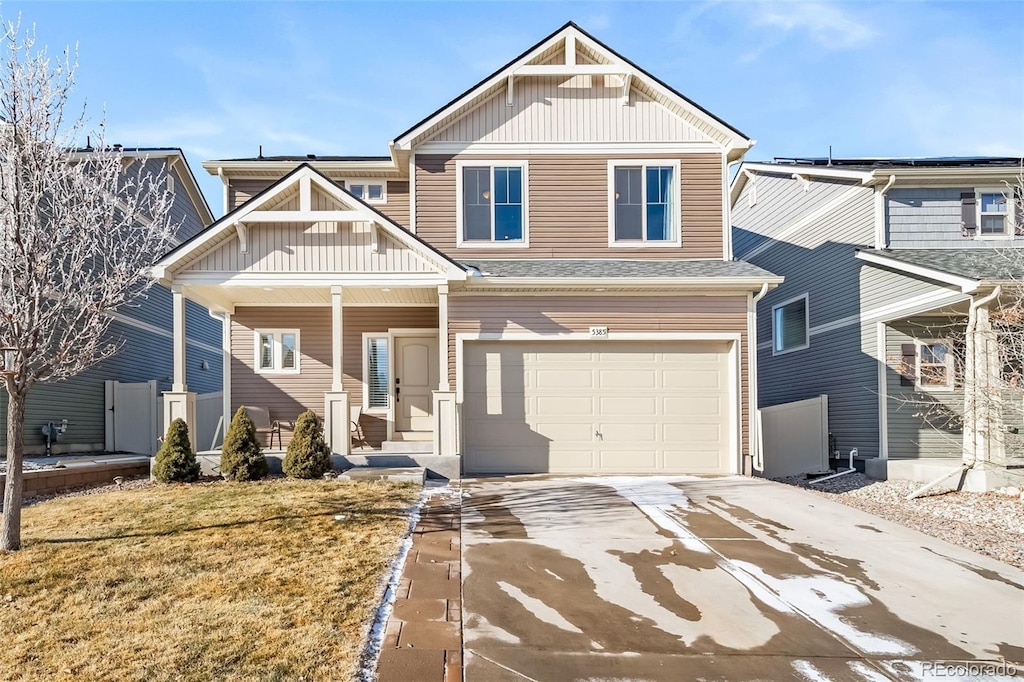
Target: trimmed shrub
[[175, 461], [241, 457], [308, 455]]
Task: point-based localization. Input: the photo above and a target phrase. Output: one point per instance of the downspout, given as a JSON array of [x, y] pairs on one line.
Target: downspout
[[971, 403], [880, 213], [758, 459]]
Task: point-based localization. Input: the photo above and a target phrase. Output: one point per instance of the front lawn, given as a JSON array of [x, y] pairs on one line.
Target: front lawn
[[253, 581]]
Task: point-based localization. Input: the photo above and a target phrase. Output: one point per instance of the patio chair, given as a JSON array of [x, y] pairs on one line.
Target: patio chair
[[260, 416], [357, 429]]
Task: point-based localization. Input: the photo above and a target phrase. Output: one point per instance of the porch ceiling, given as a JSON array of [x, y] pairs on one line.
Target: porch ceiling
[[225, 297]]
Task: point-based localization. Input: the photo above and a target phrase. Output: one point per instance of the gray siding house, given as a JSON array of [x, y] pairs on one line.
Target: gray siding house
[[882, 260], [143, 328]]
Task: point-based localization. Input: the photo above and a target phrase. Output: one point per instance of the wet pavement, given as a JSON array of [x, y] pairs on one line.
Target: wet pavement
[[677, 578]]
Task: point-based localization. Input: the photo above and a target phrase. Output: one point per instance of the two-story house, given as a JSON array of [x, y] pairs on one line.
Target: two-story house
[[537, 278], [115, 404], [886, 261]]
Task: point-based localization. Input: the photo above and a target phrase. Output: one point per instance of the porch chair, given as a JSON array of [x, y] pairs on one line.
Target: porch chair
[[260, 416], [357, 430]]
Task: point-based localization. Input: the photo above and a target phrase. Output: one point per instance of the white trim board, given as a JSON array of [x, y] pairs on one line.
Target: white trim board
[[966, 284], [735, 369], [131, 321], [590, 148]]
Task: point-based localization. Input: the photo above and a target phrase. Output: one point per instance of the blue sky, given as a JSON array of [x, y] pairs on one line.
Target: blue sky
[[220, 78]]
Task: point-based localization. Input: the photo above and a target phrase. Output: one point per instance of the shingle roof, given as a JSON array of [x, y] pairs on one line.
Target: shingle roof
[[980, 263], [897, 162], [311, 157], [606, 267]]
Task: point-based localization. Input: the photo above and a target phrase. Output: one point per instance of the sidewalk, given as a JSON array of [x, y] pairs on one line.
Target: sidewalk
[[423, 640]]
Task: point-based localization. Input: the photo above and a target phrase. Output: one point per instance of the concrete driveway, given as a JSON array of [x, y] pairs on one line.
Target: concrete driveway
[[677, 578]]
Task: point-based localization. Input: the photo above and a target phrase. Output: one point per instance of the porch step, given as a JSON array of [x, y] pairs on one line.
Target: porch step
[[407, 447], [415, 475]]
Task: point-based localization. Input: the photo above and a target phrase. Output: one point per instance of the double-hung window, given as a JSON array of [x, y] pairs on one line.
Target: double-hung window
[[376, 377], [492, 208], [790, 326], [993, 213], [644, 203], [277, 351], [935, 368]]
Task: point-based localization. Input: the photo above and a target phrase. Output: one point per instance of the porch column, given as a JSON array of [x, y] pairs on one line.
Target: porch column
[[337, 417], [179, 403], [445, 409], [983, 436]]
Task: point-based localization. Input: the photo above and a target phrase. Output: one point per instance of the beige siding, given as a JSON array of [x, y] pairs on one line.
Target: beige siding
[[289, 395], [563, 314], [568, 209], [321, 247], [240, 191], [576, 109], [396, 208]]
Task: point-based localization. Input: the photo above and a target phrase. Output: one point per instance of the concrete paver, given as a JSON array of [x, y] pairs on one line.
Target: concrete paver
[[669, 578]]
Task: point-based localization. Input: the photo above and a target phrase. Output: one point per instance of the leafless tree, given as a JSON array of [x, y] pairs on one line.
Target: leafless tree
[[77, 231], [982, 359]]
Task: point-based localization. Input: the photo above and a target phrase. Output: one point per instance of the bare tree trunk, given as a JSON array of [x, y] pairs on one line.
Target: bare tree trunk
[[10, 532]]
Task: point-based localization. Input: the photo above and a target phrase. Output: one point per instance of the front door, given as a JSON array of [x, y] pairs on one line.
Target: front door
[[416, 377]]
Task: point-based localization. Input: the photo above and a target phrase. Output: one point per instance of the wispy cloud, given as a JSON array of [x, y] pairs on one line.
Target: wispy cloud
[[826, 25]]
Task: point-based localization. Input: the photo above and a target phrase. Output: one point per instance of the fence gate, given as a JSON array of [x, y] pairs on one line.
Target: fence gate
[[132, 423]]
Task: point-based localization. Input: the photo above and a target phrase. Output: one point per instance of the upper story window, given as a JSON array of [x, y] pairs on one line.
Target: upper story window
[[644, 203], [993, 214], [790, 326], [277, 351], [370, 192], [492, 203]]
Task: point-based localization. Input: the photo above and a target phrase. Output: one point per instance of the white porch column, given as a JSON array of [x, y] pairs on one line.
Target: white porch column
[[178, 314], [179, 403], [445, 408], [337, 417]]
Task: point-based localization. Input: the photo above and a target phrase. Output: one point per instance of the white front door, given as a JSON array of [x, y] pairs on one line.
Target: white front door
[[416, 377]]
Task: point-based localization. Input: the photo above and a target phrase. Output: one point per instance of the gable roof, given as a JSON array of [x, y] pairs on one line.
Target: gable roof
[[463, 102], [190, 249], [966, 268]]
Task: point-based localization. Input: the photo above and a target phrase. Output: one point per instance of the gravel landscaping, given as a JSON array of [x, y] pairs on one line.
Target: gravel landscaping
[[991, 523]]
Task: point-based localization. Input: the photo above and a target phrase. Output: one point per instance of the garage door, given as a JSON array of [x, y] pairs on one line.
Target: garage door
[[596, 407]]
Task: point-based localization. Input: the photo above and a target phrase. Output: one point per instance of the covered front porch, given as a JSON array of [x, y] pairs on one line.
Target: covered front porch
[[327, 306]]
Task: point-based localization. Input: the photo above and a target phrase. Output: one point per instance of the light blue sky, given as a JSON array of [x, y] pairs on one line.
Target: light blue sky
[[218, 79]]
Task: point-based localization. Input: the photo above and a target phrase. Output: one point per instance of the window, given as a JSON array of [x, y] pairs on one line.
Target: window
[[375, 373], [935, 368], [789, 326], [993, 213], [492, 203], [277, 350], [643, 203], [370, 192]]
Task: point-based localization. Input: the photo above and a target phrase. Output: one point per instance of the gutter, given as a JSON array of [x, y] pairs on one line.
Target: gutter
[[703, 283]]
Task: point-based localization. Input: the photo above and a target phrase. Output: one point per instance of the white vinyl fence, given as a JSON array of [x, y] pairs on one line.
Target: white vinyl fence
[[209, 421], [795, 437]]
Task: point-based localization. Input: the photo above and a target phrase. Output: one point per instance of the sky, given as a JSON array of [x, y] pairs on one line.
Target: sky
[[219, 79]]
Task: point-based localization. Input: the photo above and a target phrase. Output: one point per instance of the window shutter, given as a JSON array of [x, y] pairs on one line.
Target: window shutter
[[908, 367], [1018, 211], [968, 214]]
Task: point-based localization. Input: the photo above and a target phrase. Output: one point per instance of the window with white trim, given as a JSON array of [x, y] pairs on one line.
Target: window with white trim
[[935, 366], [644, 203], [277, 351], [370, 192], [790, 326], [994, 217], [376, 380], [492, 203]]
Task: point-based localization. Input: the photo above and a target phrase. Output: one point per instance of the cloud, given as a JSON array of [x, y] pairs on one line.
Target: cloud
[[825, 24]]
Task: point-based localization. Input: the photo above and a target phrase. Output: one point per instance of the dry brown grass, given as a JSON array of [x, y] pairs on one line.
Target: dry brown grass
[[240, 581]]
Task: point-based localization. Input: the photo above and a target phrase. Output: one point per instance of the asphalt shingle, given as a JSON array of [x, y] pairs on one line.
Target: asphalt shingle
[[607, 267]]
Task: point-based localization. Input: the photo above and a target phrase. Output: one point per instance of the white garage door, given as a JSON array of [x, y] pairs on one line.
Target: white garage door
[[597, 407]]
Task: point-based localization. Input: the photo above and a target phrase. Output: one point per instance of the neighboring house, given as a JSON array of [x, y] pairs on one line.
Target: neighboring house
[[882, 259], [144, 329], [539, 277]]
